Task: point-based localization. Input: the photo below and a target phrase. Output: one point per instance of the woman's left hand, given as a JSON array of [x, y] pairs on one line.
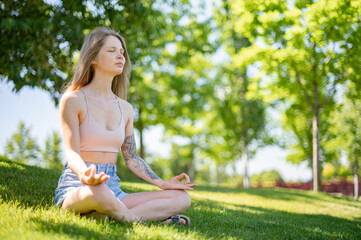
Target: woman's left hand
[[174, 183]]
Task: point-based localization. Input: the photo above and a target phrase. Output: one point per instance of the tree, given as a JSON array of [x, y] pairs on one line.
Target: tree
[[39, 41], [296, 121], [52, 153], [308, 48], [299, 140], [241, 108], [22, 146], [347, 131], [185, 88]]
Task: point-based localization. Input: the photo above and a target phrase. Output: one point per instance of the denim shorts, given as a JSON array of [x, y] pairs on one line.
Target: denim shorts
[[69, 181]]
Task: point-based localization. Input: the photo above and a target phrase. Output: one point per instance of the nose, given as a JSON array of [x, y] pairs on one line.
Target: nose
[[119, 55]]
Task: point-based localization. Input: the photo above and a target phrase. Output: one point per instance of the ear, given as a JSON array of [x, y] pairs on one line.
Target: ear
[[94, 61]]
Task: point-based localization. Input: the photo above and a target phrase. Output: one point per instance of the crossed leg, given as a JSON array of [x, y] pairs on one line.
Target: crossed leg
[[99, 198], [157, 205]]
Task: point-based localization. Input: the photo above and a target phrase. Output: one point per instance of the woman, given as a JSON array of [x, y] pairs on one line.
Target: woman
[[96, 122]]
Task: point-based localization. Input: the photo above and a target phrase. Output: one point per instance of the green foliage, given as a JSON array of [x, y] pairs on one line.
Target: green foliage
[[329, 172], [241, 110], [51, 155], [160, 166], [338, 172], [39, 40], [304, 53], [242, 119], [179, 158], [123, 171], [157, 164], [22, 147], [297, 121], [148, 31], [307, 49], [346, 130], [42, 39], [185, 89], [266, 178], [204, 174]]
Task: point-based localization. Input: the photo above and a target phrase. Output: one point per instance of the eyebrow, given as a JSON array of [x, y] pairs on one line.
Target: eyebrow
[[115, 47]]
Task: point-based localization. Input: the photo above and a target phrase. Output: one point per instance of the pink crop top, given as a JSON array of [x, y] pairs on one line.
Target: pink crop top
[[95, 138]]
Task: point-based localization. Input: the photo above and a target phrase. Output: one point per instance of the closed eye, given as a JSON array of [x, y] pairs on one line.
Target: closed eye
[[113, 49]]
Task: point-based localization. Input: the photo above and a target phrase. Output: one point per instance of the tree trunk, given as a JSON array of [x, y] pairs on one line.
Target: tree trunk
[[141, 144], [245, 168], [191, 169], [220, 171], [310, 165], [317, 187], [244, 137], [141, 128], [355, 177]]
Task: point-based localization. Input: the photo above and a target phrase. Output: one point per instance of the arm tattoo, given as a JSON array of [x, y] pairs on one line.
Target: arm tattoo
[[130, 156]]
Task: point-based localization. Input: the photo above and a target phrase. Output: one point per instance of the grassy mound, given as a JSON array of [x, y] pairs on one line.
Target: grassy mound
[[27, 212], [31, 186]]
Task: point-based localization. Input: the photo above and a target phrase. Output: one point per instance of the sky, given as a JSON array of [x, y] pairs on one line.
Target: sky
[[36, 108]]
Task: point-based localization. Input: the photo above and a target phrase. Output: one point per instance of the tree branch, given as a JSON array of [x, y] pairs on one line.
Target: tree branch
[[329, 97], [298, 79]]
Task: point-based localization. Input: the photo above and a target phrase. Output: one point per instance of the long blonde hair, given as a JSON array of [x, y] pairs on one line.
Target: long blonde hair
[[85, 71]]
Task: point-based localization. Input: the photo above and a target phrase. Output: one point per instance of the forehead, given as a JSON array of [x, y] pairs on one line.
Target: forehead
[[112, 41]]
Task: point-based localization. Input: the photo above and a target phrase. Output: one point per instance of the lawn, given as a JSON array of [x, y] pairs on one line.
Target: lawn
[[27, 212]]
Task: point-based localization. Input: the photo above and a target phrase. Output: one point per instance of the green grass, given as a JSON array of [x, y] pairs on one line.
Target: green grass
[[27, 212]]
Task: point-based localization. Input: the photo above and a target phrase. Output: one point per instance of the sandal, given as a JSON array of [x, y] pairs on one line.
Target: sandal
[[176, 219]]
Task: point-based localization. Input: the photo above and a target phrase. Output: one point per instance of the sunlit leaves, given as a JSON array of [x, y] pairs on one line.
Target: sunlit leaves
[[306, 51], [21, 146]]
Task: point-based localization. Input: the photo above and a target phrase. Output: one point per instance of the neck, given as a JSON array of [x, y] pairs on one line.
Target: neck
[[101, 85]]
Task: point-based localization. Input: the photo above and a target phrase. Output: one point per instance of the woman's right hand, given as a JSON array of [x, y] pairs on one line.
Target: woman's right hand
[[89, 176]]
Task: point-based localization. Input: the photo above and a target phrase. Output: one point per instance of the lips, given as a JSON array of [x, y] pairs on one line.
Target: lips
[[119, 64]]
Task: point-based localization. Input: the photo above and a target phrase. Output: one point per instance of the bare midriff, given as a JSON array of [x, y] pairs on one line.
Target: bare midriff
[[99, 157]]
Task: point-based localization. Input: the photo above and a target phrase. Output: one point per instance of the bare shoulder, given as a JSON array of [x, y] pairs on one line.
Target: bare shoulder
[[127, 107], [72, 100]]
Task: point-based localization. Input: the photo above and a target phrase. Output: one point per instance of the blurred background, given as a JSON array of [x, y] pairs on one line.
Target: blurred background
[[234, 92]]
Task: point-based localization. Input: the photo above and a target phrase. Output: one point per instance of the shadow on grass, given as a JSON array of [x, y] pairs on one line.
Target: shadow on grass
[[212, 219], [75, 231], [270, 193], [32, 186], [282, 194]]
